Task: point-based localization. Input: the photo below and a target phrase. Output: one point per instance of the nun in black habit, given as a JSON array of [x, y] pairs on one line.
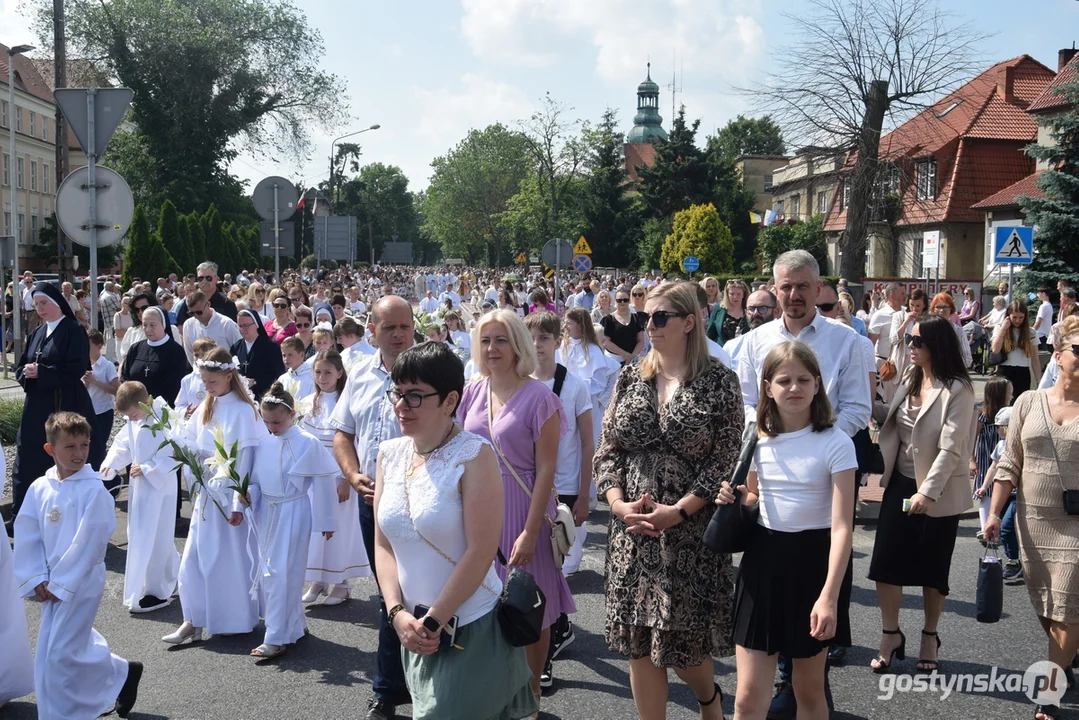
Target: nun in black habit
[[56, 356], [258, 356], [158, 362]]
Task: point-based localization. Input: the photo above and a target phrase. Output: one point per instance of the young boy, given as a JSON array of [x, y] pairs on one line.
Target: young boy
[[298, 378], [61, 536], [152, 560], [192, 392], [573, 469], [354, 346], [101, 382]]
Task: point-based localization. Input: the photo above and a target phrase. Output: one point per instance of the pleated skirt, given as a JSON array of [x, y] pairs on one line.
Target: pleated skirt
[[779, 580]]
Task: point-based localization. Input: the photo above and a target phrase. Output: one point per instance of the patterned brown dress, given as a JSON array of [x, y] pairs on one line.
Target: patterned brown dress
[[669, 598]]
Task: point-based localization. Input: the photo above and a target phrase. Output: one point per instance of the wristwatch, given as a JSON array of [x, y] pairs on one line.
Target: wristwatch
[[393, 612], [683, 513]]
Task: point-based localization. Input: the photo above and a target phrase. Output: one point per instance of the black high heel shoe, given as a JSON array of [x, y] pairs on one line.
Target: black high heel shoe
[[717, 694], [929, 666], [884, 664]]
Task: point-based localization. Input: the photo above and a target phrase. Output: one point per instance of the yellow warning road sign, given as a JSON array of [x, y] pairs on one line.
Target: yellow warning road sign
[[582, 247], [521, 258]]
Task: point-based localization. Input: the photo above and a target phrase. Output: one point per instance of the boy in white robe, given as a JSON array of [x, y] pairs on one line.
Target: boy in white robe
[[192, 392], [298, 379], [62, 532], [152, 560], [297, 491]]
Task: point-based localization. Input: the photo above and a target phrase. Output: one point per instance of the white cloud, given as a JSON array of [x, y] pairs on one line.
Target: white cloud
[[446, 114]]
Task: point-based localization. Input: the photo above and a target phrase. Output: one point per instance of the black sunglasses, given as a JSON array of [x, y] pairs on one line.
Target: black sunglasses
[[621, 300], [660, 317], [281, 306], [826, 307], [303, 326], [205, 278], [412, 399], [915, 341], [638, 294], [139, 309], [1075, 350]]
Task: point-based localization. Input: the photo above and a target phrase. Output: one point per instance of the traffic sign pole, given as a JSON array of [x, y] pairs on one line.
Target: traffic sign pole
[[91, 182], [276, 234]]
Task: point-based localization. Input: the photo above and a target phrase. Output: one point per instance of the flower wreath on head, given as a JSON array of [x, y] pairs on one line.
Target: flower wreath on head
[[214, 365], [276, 400]]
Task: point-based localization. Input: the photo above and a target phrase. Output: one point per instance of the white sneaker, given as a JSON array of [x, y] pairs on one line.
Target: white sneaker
[[313, 592]]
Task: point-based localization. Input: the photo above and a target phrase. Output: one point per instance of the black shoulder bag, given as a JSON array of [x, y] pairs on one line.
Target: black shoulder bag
[[731, 525]]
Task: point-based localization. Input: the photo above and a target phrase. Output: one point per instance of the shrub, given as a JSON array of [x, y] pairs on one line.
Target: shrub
[[10, 418]]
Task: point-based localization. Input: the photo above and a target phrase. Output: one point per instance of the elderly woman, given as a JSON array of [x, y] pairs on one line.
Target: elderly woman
[[994, 317], [602, 307], [926, 438], [1039, 462], [670, 437], [523, 421], [158, 361], [943, 305], [728, 319], [439, 511]]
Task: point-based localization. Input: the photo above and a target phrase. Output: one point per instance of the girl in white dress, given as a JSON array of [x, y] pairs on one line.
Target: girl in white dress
[[295, 478], [582, 355], [337, 560], [218, 565]]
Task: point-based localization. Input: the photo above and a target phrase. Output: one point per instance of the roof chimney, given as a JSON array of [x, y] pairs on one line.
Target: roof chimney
[[1065, 56], [1006, 84]]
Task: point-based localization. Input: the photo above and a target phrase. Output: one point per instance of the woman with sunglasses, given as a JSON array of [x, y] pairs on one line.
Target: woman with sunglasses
[[256, 300], [944, 305], [637, 296], [281, 325], [902, 322], [728, 319], [623, 330], [1019, 342], [305, 328], [670, 437], [926, 438]]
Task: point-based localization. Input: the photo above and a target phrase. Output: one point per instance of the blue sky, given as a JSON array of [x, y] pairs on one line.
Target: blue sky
[[430, 70]]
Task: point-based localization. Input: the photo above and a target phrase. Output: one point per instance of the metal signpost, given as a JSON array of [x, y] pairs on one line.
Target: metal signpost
[[275, 199], [1013, 246], [556, 252], [931, 256], [94, 114]]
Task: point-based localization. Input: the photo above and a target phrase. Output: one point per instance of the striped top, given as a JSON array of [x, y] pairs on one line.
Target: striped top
[[987, 439]]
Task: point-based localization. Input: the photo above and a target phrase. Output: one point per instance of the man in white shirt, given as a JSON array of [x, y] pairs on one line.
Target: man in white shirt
[[1043, 323], [880, 330], [355, 304], [451, 295], [429, 304], [491, 295], [761, 307], [204, 321], [109, 305]]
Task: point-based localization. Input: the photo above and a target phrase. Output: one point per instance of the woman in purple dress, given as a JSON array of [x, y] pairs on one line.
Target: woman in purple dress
[[524, 423]]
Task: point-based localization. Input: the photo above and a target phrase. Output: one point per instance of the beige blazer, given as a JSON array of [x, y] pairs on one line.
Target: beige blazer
[[943, 441]]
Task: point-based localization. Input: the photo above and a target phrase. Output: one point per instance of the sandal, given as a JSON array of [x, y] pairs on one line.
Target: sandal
[[881, 664], [1047, 712], [717, 694], [264, 652], [929, 666]]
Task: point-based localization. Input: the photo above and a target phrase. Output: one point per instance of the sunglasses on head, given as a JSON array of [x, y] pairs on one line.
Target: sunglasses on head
[[205, 278], [660, 317], [915, 341], [826, 307]]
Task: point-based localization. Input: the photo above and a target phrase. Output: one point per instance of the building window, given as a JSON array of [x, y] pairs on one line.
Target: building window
[[33, 228], [44, 128], [796, 207], [7, 223], [888, 180], [21, 228], [18, 118], [767, 183], [927, 180], [844, 199], [778, 209], [19, 174], [3, 113], [822, 202], [44, 177], [7, 169], [33, 176], [33, 124]]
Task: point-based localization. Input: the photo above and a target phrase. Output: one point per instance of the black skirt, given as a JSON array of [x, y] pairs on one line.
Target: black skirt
[[911, 550], [779, 580]]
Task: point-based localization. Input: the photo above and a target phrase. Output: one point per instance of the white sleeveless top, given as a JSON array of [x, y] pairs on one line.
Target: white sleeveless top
[[438, 513]]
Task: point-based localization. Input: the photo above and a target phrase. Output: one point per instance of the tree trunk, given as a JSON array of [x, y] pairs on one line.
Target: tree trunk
[[862, 179]]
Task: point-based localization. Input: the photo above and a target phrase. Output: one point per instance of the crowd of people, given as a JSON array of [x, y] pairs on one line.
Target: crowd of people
[[449, 431]]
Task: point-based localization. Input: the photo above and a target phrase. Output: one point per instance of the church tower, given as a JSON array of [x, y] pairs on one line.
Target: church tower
[[647, 123]]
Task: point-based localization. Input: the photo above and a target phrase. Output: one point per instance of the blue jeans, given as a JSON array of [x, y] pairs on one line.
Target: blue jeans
[[389, 682], [1008, 537]]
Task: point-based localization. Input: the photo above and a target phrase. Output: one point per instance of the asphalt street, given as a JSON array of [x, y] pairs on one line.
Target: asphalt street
[[328, 674]]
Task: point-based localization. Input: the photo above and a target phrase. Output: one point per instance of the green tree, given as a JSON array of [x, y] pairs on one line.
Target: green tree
[[698, 231], [1056, 215], [611, 222], [213, 243], [469, 191], [558, 158], [210, 76], [168, 229], [650, 245], [379, 196], [781, 237], [529, 221], [198, 238], [681, 175], [146, 256], [734, 201], [748, 136]]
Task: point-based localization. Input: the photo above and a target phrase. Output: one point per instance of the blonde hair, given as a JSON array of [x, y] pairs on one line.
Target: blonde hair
[[1069, 328], [683, 297], [130, 394], [221, 355], [252, 292], [520, 341], [200, 347], [725, 298]]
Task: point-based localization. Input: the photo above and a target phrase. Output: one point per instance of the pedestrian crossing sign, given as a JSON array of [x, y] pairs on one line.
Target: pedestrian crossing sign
[[1013, 245], [582, 247]]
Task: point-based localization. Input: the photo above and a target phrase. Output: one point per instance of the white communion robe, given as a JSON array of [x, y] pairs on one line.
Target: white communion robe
[[218, 565], [343, 556], [16, 664], [297, 492], [153, 563], [592, 365], [299, 382], [61, 534]]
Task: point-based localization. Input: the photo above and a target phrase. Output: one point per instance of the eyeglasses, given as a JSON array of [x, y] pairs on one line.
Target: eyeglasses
[[660, 317], [915, 341], [303, 326], [412, 399], [826, 307], [281, 306], [761, 309], [621, 300], [246, 326], [941, 309], [205, 278]]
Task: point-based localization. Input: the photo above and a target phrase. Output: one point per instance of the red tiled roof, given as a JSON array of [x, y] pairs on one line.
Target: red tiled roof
[[27, 76], [1001, 120], [638, 154], [1009, 196], [1050, 99], [983, 167]]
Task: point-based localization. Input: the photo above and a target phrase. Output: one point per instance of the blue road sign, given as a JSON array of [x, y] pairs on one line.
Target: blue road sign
[[691, 263], [582, 263], [1014, 245]]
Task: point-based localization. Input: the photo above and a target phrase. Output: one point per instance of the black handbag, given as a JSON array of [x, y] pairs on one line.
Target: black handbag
[[989, 603], [732, 525], [521, 607]]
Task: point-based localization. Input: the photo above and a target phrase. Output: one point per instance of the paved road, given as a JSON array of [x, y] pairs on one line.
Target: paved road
[[328, 674]]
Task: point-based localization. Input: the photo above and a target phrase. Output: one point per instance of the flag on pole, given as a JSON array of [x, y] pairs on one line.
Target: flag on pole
[[769, 217], [754, 218]]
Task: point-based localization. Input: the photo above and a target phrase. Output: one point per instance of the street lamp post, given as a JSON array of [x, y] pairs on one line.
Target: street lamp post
[[13, 178], [326, 225]]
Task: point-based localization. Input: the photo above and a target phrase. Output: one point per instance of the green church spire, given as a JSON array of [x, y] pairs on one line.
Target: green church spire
[[647, 123]]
